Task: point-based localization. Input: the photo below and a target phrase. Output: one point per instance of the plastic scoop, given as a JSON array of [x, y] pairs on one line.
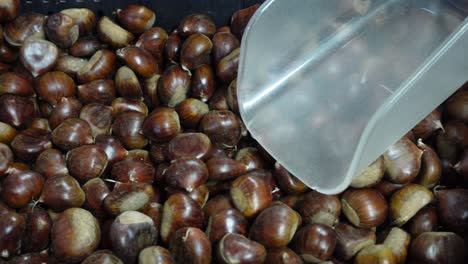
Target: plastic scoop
[[325, 86]]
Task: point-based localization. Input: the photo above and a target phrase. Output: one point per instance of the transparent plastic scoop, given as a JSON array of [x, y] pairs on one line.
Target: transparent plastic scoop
[[327, 85]]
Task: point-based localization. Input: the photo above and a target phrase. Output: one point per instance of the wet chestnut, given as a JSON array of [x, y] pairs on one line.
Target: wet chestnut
[[136, 18], [350, 240], [438, 247], [372, 175], [431, 168], [223, 44], [21, 187], [186, 173], [172, 47], [161, 125], [402, 161], [173, 86], [112, 147], [227, 67], [221, 169], [99, 118], [52, 86], [127, 84], [424, 221], [85, 47], [69, 64], [282, 255], [375, 254], [240, 19], [429, 125], [223, 128], [195, 51], [7, 133], [72, 133], [29, 143], [203, 83], [139, 60], [398, 240], [61, 192], [102, 257], [86, 162], [98, 91], [217, 204], [190, 244], [14, 83], [51, 162], [288, 182], [364, 207], [120, 105], [127, 128], [67, 107]]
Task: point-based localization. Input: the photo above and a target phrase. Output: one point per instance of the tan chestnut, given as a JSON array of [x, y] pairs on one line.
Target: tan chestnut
[[250, 194], [86, 162], [195, 51], [120, 105], [240, 19], [196, 23], [402, 161], [319, 208], [69, 64], [72, 133], [61, 29], [173, 86], [371, 175], [223, 128], [172, 47], [127, 84], [150, 90], [38, 55], [29, 143], [102, 257], [6, 159], [100, 66], [155, 255], [398, 241], [223, 44], [51, 162], [153, 40], [190, 244], [375, 254], [127, 128], [407, 201], [364, 207], [17, 84], [161, 125], [350, 240], [52, 86], [191, 112], [7, 133], [314, 243], [136, 18], [112, 34], [61, 192], [428, 126], [85, 47], [24, 26], [203, 83], [139, 60], [83, 17], [75, 235], [128, 197], [236, 248], [98, 91]]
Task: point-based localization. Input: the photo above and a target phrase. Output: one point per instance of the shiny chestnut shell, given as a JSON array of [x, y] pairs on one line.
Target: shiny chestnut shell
[[161, 125], [223, 128]]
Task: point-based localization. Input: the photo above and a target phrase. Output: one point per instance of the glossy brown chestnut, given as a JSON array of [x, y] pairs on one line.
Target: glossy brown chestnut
[[102, 257], [236, 248], [136, 18], [6, 159], [67, 107], [128, 197], [190, 245], [455, 107], [72, 133], [375, 254], [114, 150], [38, 228], [431, 168], [452, 207], [221, 169], [85, 47], [350, 240], [12, 227], [99, 91], [95, 191], [288, 182], [438, 247], [100, 66], [52, 86], [150, 91], [38, 55], [86, 162], [24, 26], [51, 162], [226, 68], [131, 171], [428, 126], [387, 188], [75, 235], [223, 44], [275, 226], [112, 34], [9, 10], [17, 111], [85, 18], [155, 255], [319, 208], [407, 201], [402, 161], [203, 83], [195, 51], [282, 255], [196, 23], [39, 123], [69, 64], [450, 142], [7, 53], [127, 128], [17, 84], [424, 221], [240, 19], [161, 125], [250, 194], [218, 100], [226, 221], [217, 204], [398, 241], [364, 207], [172, 47], [130, 233], [21, 187], [139, 155], [127, 84], [33, 258], [180, 211], [61, 29], [191, 112], [372, 175], [314, 243], [189, 145], [173, 86], [120, 105], [7, 133], [29, 143], [223, 128], [61, 192], [99, 118], [186, 173], [154, 210], [139, 60]]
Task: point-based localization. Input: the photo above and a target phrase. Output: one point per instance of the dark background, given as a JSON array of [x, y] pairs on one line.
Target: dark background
[[168, 12]]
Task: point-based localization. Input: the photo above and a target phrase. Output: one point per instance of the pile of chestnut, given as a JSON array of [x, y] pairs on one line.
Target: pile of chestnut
[[121, 143]]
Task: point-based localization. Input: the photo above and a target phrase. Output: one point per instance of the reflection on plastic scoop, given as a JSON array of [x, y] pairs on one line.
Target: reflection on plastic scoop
[[326, 86]]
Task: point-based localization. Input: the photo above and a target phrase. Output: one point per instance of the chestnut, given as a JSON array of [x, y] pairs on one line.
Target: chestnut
[[217, 204], [240, 19], [86, 162], [224, 222], [452, 207], [226, 29], [120, 105], [189, 145], [127, 84], [139, 156], [14, 83], [450, 142], [61, 29], [387, 188], [218, 100], [196, 23], [21, 187], [364, 207], [38, 228], [236, 248], [314, 243], [61, 192], [195, 51], [319, 208], [250, 194], [38, 55], [112, 147], [136, 18], [7, 53], [423, 221], [375, 254], [158, 153], [99, 118], [227, 67], [172, 47], [12, 227], [350, 240], [150, 91], [407, 201], [133, 171], [402, 161], [203, 83], [85, 47], [428, 126], [51, 162], [139, 60], [29, 143], [221, 169], [72, 133], [39, 123], [190, 245], [223, 127], [153, 41], [112, 34], [128, 197], [84, 17], [9, 10], [223, 44], [102, 257], [191, 111], [173, 86], [69, 64], [95, 191], [67, 107], [161, 125], [98, 91], [186, 173], [155, 255], [52, 86], [100, 66], [7, 133], [431, 168], [127, 128], [438, 247], [371, 175], [288, 182], [455, 106], [154, 211], [75, 235], [24, 26], [33, 258], [180, 211], [282, 255], [398, 241], [275, 226], [6, 159], [130, 233], [17, 111]]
